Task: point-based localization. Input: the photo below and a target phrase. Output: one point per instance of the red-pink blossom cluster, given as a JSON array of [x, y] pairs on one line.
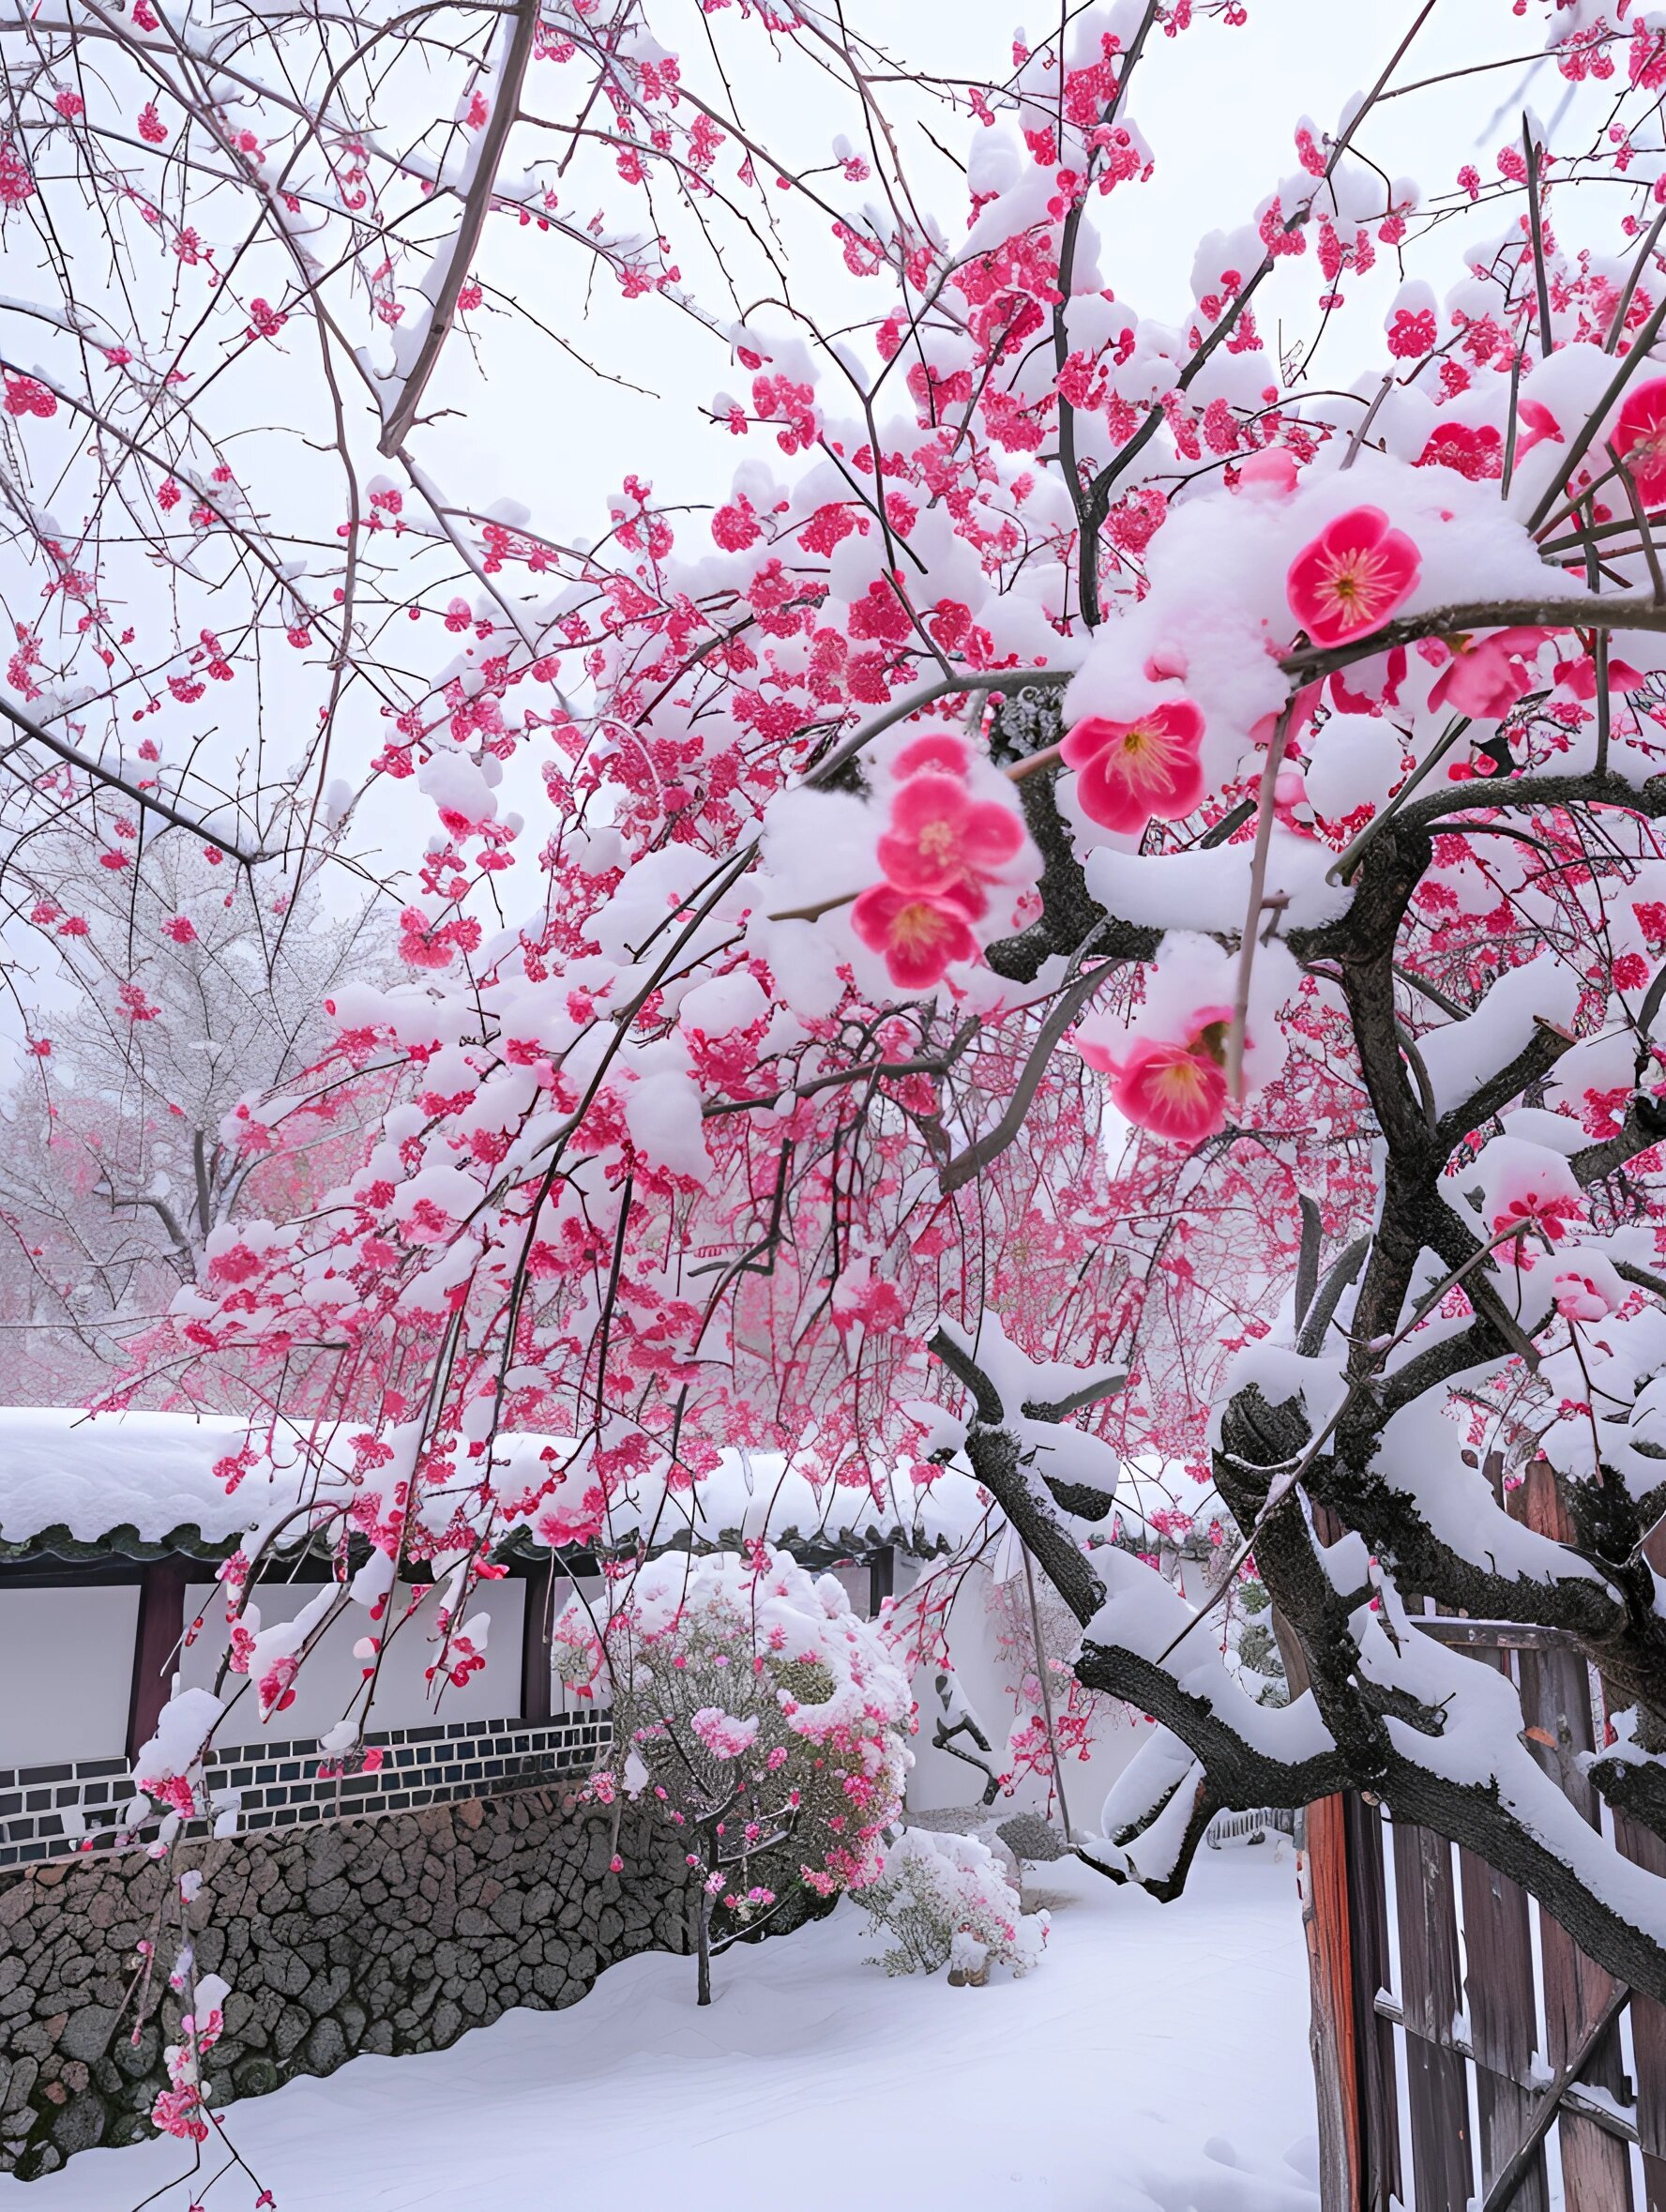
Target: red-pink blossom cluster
[[941, 851]]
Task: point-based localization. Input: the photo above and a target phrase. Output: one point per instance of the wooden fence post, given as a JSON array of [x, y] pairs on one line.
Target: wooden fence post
[[155, 1644], [1322, 1866], [1556, 1708], [1498, 1939], [1333, 1978], [1586, 2097], [1374, 2037], [1437, 2084], [1344, 1919]]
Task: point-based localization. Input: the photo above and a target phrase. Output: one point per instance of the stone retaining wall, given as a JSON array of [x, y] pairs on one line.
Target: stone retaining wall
[[394, 1934]]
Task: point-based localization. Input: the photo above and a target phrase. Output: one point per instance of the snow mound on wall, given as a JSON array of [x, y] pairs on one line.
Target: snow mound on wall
[[759, 1493], [154, 1472]]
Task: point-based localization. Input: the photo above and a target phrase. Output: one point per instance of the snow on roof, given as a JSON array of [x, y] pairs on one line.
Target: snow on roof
[[92, 1475], [149, 1479], [754, 1493]]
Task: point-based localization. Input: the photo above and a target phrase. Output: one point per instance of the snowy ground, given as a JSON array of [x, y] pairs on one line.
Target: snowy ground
[[1157, 2062]]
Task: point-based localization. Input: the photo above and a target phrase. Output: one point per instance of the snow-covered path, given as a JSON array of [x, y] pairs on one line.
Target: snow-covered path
[[1157, 2062]]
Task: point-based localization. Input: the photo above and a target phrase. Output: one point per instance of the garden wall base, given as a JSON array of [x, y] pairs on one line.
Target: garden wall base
[[393, 1934]]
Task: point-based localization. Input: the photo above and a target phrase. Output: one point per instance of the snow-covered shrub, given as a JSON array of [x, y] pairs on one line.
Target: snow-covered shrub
[[764, 1717], [945, 1902]]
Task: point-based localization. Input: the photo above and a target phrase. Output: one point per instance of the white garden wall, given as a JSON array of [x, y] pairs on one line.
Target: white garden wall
[[66, 1668], [331, 1674], [940, 1781]]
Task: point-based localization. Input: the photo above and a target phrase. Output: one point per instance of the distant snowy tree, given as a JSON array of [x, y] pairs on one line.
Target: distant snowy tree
[[169, 990]]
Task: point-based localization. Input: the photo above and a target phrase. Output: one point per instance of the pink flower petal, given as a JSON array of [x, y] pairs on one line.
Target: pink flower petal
[[1349, 579]]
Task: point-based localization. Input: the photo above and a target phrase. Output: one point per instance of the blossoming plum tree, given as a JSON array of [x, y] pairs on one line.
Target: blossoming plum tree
[[1062, 709], [765, 1721]]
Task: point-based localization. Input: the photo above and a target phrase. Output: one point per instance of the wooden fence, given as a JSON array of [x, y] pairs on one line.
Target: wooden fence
[[1466, 2050]]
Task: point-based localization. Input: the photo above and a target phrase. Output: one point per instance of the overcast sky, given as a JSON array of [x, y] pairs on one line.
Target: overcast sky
[[1218, 105]]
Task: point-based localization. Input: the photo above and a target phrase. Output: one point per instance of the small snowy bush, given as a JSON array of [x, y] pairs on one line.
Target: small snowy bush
[[945, 1902], [764, 1719]]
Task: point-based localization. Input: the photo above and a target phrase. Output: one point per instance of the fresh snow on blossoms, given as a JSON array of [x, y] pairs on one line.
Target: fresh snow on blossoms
[[1167, 1060], [1082, 843], [723, 1736]]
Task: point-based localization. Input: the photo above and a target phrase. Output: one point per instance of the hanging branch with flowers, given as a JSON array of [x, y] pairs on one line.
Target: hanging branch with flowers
[[1101, 854]]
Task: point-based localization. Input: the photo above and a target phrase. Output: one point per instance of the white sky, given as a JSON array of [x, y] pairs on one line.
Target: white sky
[[1219, 107]]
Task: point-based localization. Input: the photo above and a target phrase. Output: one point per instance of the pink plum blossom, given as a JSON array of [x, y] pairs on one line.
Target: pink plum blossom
[[1176, 1091], [1475, 450], [921, 935], [1351, 577], [1640, 439], [1485, 675], [1541, 1200], [941, 749], [941, 839], [1579, 1298], [179, 2112], [1534, 424], [1579, 675], [1131, 773], [1268, 473]]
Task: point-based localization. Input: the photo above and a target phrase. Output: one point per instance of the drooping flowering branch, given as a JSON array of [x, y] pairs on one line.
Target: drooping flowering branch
[[1092, 855]]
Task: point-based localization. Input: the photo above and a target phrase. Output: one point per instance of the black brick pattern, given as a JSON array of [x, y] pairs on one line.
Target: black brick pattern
[[49, 1812]]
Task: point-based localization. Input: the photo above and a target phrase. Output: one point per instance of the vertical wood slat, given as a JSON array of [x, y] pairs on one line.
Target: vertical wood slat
[[1342, 1986], [1648, 2019], [1596, 2168], [1325, 1925], [1556, 1711], [1502, 2020], [1368, 1913], [1499, 1986], [1555, 1692], [1648, 2034], [1426, 1911]]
